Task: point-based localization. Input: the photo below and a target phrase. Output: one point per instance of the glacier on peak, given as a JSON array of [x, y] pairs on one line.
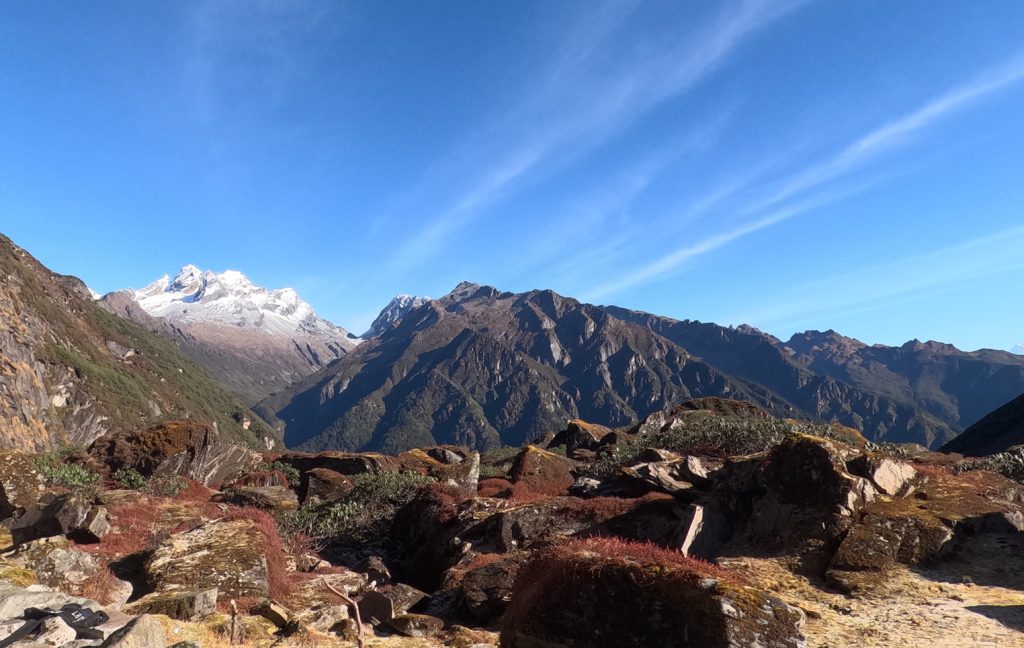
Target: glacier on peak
[[230, 298]]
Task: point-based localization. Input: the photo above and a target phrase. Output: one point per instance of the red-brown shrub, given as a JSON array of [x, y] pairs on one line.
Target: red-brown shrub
[[133, 527], [194, 492], [642, 554], [494, 487], [573, 589], [99, 586]]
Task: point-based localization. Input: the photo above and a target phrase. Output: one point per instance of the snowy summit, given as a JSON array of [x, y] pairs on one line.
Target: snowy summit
[[394, 312], [229, 298]]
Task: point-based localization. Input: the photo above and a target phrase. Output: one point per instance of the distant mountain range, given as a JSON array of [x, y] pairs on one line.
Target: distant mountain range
[[477, 367], [70, 371], [482, 367], [254, 341]]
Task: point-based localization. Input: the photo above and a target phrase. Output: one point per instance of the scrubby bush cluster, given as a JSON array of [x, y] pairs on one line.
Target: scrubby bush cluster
[[364, 516], [166, 485], [290, 472], [129, 478], [57, 471], [1009, 464]]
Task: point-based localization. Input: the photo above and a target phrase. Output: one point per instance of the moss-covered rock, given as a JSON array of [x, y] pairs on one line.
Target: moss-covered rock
[[543, 472], [614, 593]]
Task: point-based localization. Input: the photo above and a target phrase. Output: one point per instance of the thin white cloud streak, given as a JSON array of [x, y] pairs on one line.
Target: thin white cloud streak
[[582, 221], [876, 286], [852, 158], [895, 133], [587, 100], [680, 256]]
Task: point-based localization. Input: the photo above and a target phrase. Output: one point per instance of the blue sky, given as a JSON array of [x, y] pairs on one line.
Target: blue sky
[[853, 165]]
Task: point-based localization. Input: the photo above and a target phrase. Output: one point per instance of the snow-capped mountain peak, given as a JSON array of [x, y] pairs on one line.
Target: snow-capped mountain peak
[[394, 312], [1019, 349], [196, 296]]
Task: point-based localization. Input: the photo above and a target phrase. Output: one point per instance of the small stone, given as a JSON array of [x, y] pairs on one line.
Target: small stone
[[380, 606], [55, 632], [276, 614], [416, 625], [375, 570]]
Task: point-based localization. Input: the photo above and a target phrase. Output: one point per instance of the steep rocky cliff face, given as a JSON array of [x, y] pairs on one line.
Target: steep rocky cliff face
[[70, 371]]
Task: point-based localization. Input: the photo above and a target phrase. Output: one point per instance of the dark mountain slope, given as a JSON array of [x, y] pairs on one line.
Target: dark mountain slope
[[944, 383], [70, 371], [881, 412], [482, 367], [994, 433]]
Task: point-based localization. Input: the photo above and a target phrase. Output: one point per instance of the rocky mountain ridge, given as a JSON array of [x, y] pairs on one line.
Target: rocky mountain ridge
[[997, 432], [480, 366]]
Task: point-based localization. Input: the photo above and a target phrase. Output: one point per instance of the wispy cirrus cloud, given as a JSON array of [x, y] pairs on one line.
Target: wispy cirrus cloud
[[268, 40], [879, 285], [596, 87], [766, 211]]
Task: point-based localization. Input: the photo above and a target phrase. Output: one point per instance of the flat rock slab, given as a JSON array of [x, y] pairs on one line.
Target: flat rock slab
[[223, 554]]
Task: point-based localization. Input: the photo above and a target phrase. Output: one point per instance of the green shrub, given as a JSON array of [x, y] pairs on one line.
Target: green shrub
[[166, 485], [48, 461], [55, 469], [290, 472], [72, 476], [129, 478], [364, 516], [498, 462], [1009, 464]]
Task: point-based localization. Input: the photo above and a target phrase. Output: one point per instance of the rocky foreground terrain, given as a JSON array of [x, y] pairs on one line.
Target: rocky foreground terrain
[[711, 524]]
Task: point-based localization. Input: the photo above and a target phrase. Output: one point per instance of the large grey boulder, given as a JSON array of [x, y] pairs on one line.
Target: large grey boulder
[[66, 514]]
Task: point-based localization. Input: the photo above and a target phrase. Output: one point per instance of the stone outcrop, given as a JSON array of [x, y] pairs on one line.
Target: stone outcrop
[[268, 498], [187, 448], [810, 497], [542, 472]]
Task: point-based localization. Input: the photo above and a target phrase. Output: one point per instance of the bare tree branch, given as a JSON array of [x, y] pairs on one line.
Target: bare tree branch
[[355, 610]]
